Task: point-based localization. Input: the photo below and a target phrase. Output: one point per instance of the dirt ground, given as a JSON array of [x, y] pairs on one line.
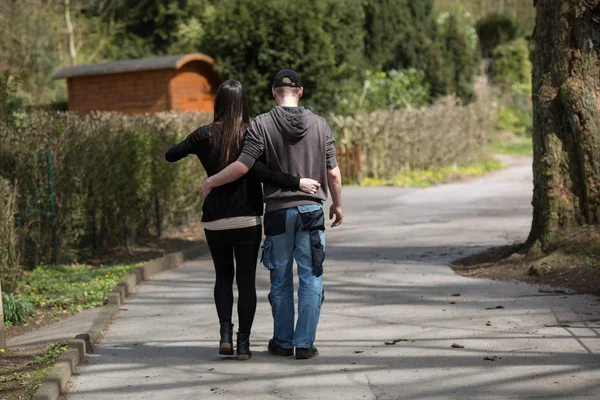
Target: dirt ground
[[19, 377], [574, 264]]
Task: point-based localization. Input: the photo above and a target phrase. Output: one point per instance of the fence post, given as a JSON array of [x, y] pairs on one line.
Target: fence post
[[52, 205]]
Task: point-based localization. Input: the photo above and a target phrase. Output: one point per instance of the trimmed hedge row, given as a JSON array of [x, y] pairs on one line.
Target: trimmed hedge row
[[444, 134], [109, 176]]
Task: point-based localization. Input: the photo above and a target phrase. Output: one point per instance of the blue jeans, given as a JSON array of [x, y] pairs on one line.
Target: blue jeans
[[279, 254]]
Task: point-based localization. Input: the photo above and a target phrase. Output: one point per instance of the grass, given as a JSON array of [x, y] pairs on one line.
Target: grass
[[27, 370], [72, 288], [437, 176], [518, 146]]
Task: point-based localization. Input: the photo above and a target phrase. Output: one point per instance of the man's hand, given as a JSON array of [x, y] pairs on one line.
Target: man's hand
[[339, 215], [207, 187], [309, 186]]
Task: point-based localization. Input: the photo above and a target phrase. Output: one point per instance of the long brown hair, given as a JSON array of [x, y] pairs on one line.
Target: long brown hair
[[231, 112]]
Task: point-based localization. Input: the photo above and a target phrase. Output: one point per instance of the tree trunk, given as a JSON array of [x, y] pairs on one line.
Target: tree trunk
[[70, 32], [566, 138]]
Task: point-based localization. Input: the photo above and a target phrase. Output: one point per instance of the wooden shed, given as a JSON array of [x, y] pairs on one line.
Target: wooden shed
[[179, 83]]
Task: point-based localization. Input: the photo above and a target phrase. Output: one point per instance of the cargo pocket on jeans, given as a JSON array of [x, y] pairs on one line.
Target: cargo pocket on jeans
[[318, 252], [267, 255]]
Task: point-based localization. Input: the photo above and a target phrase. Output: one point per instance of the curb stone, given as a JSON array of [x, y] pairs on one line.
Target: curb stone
[[62, 371]]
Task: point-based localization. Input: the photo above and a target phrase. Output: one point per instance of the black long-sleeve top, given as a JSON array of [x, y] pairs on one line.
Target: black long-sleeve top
[[238, 199]]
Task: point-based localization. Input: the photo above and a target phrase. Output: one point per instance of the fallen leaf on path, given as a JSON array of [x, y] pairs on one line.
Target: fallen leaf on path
[[358, 351], [344, 370], [495, 308], [492, 358], [452, 302], [211, 369], [390, 343], [458, 346], [552, 291], [456, 295], [488, 323]]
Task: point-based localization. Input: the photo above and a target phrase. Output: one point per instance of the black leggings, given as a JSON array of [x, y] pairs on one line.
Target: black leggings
[[245, 244]]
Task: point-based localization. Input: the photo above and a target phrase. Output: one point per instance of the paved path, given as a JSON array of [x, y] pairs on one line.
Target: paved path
[[386, 278]]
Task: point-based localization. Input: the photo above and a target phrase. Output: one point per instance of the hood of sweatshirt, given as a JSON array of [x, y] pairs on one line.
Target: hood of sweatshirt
[[293, 126]]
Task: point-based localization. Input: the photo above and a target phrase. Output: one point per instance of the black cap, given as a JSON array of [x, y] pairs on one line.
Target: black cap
[[291, 75]]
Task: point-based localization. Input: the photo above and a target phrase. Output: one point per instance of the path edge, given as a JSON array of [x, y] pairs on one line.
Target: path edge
[[58, 378]]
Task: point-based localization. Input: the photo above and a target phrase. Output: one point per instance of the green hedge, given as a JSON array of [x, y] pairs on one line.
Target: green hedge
[[110, 177], [512, 65]]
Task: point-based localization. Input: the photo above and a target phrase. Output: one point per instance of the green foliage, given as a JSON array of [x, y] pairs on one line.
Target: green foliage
[[387, 91], [512, 65], [494, 30], [445, 52], [519, 10], [437, 176], [517, 146], [322, 39], [153, 22], [72, 288], [387, 22], [53, 351], [516, 120], [109, 176], [459, 53], [9, 101], [16, 309]]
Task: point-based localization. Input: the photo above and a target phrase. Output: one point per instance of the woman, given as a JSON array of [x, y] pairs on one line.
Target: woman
[[231, 214]]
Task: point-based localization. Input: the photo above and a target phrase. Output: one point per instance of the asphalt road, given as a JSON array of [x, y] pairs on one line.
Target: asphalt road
[[386, 278]]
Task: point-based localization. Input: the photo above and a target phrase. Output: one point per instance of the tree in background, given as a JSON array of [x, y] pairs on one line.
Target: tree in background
[[253, 40], [566, 120], [386, 25], [495, 29], [461, 57], [151, 22], [445, 51]]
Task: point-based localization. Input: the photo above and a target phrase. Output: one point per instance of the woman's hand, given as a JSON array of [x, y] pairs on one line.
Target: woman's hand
[[207, 187], [309, 186]]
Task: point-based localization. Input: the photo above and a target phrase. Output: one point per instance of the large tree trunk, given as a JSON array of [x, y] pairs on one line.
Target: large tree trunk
[[566, 101], [2, 335]]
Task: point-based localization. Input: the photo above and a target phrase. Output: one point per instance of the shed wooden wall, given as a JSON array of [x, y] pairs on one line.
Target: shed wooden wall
[[130, 93], [194, 88], [191, 88]]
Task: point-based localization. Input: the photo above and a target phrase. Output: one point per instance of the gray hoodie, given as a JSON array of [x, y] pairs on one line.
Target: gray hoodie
[[296, 143]]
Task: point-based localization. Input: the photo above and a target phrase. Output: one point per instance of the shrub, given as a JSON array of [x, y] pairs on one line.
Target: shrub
[[444, 134], [322, 39], [494, 30], [386, 91], [109, 175], [512, 65], [10, 270], [516, 120], [16, 309]]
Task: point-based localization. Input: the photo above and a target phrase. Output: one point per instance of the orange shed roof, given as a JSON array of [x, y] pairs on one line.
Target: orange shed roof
[[143, 64]]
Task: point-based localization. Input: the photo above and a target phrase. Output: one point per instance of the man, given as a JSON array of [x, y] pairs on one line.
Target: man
[[298, 142]]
